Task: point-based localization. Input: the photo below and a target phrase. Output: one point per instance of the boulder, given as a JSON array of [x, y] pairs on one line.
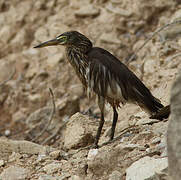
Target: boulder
[[14, 173], [174, 131], [146, 168], [78, 133]]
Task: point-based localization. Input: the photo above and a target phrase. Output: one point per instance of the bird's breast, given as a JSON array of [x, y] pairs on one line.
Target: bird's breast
[[96, 78], [79, 64]]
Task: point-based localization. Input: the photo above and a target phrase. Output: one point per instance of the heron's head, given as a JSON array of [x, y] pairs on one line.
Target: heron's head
[[70, 38]]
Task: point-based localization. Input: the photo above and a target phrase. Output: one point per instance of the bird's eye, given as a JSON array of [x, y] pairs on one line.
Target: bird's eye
[[62, 39]]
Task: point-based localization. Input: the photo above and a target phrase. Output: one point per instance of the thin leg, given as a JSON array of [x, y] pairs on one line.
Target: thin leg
[[101, 103], [101, 123], [115, 118]]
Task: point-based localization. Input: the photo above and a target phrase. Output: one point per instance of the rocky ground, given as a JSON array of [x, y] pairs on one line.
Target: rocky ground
[[26, 74]]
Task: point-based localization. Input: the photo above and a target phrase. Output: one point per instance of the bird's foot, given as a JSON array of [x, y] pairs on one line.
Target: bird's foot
[[111, 137], [95, 146], [110, 140]]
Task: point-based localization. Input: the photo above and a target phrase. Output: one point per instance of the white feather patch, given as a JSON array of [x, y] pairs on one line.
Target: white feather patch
[[117, 95]]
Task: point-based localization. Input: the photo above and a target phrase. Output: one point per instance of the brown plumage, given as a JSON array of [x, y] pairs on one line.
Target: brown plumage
[[102, 73]]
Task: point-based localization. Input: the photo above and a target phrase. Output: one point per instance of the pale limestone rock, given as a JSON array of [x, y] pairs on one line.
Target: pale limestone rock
[[156, 140], [55, 154], [109, 38], [106, 160], [174, 129], [14, 173], [92, 153], [150, 65], [146, 168], [115, 175], [9, 146], [5, 70], [52, 168], [120, 11], [34, 97], [75, 177], [2, 162], [6, 33], [77, 132], [146, 120], [88, 10], [7, 132], [14, 157], [49, 177]]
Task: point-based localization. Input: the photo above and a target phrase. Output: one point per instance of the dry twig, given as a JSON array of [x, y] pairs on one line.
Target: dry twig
[[9, 78], [154, 33], [55, 133], [51, 116]]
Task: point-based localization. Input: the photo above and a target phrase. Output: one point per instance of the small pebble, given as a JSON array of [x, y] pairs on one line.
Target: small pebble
[[55, 154], [41, 157], [148, 150], [1, 162], [156, 140], [14, 156], [86, 11], [7, 132], [161, 146], [92, 153], [116, 175]]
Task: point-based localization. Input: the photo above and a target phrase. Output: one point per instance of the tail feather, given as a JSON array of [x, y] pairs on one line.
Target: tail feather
[[151, 104], [162, 113], [156, 105]]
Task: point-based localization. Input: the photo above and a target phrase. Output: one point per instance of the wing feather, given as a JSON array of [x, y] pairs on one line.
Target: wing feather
[[106, 70]]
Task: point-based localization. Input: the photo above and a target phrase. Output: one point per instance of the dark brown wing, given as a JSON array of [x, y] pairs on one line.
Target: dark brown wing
[[162, 113], [106, 69]]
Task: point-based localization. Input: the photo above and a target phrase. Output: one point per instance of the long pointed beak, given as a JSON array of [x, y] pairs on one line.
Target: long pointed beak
[[52, 42]]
